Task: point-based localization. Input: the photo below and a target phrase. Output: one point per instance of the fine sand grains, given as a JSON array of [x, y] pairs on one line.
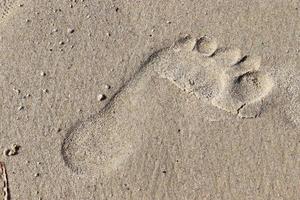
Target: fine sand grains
[[292, 105], [6, 6]]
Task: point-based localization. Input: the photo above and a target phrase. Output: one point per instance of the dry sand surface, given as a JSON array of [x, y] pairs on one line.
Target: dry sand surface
[[150, 100]]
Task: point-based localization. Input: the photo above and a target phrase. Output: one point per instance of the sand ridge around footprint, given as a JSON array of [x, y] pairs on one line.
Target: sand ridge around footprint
[[221, 77]]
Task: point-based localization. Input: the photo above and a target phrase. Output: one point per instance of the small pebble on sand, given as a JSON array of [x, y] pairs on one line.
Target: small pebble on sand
[[107, 86], [45, 90], [12, 151], [20, 108], [17, 90], [70, 30], [101, 97]]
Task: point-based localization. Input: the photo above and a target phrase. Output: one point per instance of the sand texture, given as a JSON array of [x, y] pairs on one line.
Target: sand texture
[[150, 100]]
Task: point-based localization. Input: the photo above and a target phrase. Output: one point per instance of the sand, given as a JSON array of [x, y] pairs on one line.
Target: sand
[[150, 100]]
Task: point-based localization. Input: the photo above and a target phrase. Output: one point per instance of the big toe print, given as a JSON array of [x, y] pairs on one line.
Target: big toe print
[[241, 86]]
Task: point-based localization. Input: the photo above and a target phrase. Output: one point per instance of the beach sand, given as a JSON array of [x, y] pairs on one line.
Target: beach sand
[[150, 100]]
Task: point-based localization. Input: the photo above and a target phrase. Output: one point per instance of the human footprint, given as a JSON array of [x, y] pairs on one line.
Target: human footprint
[[219, 76]]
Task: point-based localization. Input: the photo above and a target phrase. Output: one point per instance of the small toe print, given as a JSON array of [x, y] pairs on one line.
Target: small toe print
[[247, 64], [226, 57], [206, 46], [183, 43]]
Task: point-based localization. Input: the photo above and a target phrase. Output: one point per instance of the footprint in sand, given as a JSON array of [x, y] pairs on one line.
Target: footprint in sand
[[219, 76]]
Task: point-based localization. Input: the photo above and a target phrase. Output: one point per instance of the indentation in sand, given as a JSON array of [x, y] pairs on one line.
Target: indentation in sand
[[96, 145], [219, 76], [206, 46]]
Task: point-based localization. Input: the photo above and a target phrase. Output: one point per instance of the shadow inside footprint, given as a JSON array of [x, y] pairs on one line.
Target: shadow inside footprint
[[5, 7]]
